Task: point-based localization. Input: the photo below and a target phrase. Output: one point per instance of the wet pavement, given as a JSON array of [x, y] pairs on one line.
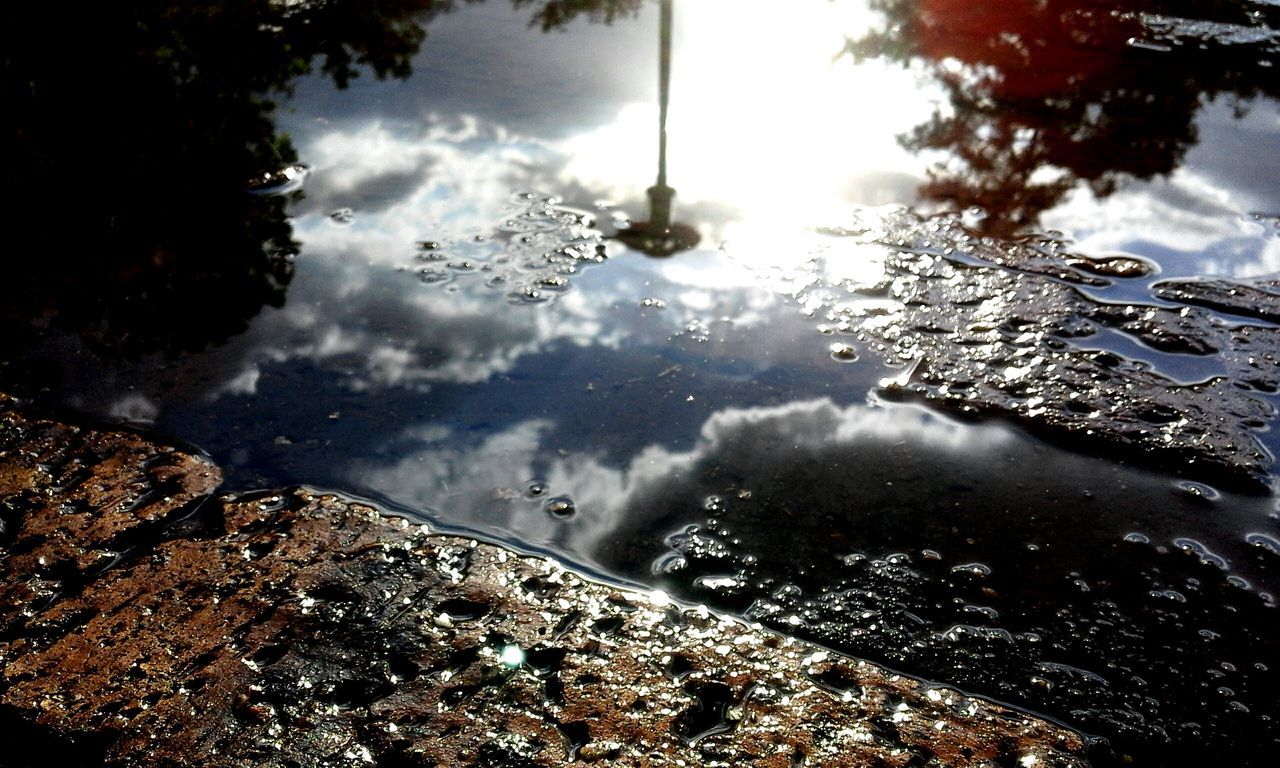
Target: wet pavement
[[950, 344], [284, 628]]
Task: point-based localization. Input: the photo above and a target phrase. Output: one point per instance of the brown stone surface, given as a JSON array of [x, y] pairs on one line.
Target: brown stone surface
[[292, 629], [73, 499]]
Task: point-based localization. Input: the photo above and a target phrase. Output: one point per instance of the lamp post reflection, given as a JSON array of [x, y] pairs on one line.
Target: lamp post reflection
[[659, 236]]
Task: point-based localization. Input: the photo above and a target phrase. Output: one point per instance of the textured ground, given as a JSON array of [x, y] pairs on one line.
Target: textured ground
[[148, 623]]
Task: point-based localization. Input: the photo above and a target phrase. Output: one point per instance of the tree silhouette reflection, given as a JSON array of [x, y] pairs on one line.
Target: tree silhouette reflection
[[133, 135], [1047, 95], [130, 132], [554, 14]]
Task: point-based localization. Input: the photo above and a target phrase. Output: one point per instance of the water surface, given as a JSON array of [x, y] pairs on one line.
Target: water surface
[[910, 387]]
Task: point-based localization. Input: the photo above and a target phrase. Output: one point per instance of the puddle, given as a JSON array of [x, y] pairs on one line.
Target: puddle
[[940, 333]]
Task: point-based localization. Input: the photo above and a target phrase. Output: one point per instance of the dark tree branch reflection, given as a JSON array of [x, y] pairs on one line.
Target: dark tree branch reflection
[[1047, 95], [554, 14], [131, 132]]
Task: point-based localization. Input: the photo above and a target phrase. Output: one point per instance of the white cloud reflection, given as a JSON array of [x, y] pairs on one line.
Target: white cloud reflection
[[485, 486], [1198, 220]]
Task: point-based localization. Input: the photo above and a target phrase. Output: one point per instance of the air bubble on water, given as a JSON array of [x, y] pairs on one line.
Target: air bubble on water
[[1265, 542], [1148, 45], [1207, 557], [527, 294], [653, 303], [843, 353], [280, 181], [787, 592], [720, 583], [560, 507], [1137, 538], [536, 489], [1198, 490], [1238, 582], [669, 563], [538, 246]]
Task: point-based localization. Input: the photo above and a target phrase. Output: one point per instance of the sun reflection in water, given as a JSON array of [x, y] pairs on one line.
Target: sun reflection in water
[[769, 122]]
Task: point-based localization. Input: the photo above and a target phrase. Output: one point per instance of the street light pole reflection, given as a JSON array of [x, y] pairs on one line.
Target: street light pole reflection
[[659, 236]]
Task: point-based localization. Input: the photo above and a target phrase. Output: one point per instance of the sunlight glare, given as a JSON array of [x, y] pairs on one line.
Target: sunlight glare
[[766, 119]]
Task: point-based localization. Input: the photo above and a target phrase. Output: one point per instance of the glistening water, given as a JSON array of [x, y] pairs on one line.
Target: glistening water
[[942, 333]]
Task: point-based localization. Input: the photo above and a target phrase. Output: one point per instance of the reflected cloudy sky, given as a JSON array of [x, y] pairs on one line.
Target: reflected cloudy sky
[[1202, 219], [402, 365], [462, 324], [408, 362], [770, 132]]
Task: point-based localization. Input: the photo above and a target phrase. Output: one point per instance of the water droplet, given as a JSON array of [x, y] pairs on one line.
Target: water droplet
[[976, 569], [433, 276], [459, 609]]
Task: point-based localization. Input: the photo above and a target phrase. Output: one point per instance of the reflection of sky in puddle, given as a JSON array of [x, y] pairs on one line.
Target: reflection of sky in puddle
[[771, 132], [409, 363], [437, 396]]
